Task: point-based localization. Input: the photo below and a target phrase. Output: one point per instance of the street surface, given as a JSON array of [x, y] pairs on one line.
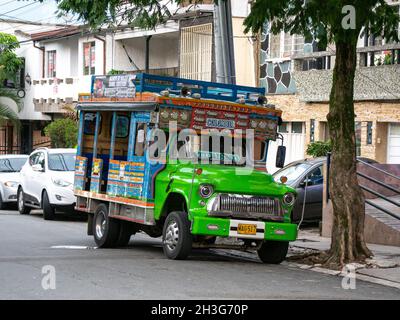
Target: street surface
[[140, 271]]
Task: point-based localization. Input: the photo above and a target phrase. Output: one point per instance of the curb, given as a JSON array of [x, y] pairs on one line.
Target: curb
[[360, 276]]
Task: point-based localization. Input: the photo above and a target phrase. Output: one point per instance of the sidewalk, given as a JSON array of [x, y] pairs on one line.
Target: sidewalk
[[384, 265]]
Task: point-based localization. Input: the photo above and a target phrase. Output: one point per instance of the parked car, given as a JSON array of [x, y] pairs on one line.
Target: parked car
[[10, 166], [47, 182], [308, 172]]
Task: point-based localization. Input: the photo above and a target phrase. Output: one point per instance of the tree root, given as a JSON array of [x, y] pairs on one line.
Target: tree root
[[323, 259]]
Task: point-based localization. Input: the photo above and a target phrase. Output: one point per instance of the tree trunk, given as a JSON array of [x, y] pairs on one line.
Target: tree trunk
[[348, 244]]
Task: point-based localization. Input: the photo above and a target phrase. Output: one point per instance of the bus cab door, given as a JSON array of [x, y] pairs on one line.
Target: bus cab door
[[138, 166]]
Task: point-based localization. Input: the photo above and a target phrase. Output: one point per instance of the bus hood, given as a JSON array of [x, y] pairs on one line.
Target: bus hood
[[240, 180]]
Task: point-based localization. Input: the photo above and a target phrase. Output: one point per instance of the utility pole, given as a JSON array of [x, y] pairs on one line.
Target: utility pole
[[223, 39]]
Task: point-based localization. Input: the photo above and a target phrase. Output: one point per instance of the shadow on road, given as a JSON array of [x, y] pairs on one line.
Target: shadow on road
[[62, 216]]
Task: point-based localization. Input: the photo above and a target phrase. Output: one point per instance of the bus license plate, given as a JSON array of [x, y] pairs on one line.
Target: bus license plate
[[247, 229]]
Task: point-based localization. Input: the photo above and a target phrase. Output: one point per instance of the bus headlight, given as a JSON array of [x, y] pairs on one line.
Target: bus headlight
[[289, 199], [206, 190]]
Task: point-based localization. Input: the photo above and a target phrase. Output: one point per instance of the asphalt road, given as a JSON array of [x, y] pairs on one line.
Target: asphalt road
[[140, 271]]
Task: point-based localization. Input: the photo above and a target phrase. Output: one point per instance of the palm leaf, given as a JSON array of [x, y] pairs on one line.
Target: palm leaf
[[7, 114], [11, 94]]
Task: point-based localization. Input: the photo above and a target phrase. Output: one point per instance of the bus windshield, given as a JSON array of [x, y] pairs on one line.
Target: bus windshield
[[223, 150]]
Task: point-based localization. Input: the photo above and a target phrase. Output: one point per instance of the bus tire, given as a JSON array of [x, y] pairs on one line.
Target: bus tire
[[177, 239], [273, 252], [124, 235], [105, 229]]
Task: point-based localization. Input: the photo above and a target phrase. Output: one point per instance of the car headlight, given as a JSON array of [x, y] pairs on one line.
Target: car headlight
[[11, 184], [61, 183], [206, 190], [289, 199]]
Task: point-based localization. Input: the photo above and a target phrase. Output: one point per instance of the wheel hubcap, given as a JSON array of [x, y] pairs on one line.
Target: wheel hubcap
[[172, 235], [100, 225]]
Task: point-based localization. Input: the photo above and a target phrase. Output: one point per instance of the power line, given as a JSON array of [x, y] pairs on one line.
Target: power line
[[3, 4], [24, 6]]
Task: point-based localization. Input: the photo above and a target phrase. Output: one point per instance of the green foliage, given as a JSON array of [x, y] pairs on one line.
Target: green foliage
[[138, 13], [114, 72], [319, 148], [9, 62], [9, 66], [322, 19], [62, 132]]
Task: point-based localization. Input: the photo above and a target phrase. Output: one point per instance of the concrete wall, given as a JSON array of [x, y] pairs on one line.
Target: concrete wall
[[163, 52], [244, 54], [371, 83]]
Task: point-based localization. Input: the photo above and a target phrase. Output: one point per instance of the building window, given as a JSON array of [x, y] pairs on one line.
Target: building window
[[283, 45], [284, 127], [275, 46], [89, 58], [297, 127], [196, 52], [358, 138], [51, 64]]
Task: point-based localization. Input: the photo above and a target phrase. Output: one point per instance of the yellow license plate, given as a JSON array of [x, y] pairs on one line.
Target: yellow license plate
[[247, 229]]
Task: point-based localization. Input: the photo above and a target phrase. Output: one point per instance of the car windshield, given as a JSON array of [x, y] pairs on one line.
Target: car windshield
[[292, 172], [62, 161], [12, 165]]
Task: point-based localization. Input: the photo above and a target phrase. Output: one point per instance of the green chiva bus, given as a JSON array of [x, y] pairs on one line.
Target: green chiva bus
[[190, 204]]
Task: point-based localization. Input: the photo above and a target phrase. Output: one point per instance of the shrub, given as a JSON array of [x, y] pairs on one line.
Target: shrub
[[319, 148], [63, 133]]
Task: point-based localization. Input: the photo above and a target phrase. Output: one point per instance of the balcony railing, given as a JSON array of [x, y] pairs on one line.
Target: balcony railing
[[370, 56], [52, 94]]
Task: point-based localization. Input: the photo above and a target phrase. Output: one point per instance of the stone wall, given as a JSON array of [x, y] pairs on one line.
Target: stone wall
[[371, 83]]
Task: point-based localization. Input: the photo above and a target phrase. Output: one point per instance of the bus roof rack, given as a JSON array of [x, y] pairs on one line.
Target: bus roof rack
[[208, 90]]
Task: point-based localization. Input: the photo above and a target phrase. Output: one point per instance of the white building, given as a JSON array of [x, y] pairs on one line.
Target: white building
[[60, 60]]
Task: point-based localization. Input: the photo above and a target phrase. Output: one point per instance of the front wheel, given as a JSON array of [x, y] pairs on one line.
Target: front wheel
[[177, 239], [2, 204], [273, 252], [22, 208], [105, 230], [49, 213]]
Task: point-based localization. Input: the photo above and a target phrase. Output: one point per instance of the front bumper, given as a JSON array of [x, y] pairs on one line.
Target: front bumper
[[9, 194], [61, 196], [228, 228]]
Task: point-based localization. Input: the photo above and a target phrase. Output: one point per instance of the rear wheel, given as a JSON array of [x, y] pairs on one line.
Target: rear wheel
[[105, 230], [48, 211], [22, 208], [177, 239], [273, 252], [125, 233]]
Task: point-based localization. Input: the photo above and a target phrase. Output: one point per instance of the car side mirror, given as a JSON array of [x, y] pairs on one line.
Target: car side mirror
[[38, 167], [307, 182], [280, 157]]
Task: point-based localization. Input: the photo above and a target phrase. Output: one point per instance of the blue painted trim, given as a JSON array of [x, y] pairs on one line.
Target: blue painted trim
[[96, 134], [80, 133], [113, 135], [210, 90], [132, 133]]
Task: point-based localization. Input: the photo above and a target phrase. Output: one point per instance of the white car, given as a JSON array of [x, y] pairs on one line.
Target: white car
[[47, 180], [10, 165]]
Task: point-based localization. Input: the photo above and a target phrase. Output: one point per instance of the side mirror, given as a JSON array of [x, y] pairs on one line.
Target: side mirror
[[37, 167], [307, 182], [280, 157]]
